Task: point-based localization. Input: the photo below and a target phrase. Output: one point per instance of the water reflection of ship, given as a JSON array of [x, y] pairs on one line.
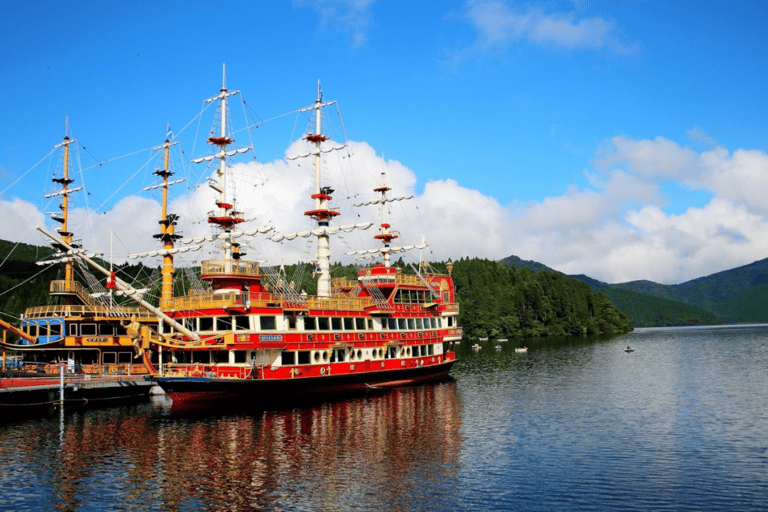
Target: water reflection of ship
[[387, 450], [332, 456]]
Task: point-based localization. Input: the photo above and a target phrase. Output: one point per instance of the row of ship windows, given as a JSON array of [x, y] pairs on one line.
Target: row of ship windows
[[243, 323], [294, 357], [308, 323]]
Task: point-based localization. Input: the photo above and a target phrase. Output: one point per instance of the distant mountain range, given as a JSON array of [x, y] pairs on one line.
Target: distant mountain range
[[731, 296]]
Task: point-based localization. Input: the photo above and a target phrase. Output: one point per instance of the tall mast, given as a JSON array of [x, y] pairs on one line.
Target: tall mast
[[385, 236], [226, 217], [65, 181], [322, 213], [167, 230]]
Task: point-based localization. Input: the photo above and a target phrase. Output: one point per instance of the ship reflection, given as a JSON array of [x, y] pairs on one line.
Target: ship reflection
[[390, 451]]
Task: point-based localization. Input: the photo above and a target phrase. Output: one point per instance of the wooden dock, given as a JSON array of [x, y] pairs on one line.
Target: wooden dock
[[27, 393]]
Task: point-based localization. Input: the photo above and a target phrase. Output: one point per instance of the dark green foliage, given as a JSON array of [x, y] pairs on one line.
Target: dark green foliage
[[647, 311], [23, 284], [501, 301]]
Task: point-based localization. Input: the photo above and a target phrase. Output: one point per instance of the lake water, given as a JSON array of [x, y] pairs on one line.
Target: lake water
[[681, 423]]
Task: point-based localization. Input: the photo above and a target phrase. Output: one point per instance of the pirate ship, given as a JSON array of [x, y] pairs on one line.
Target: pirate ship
[[249, 336]]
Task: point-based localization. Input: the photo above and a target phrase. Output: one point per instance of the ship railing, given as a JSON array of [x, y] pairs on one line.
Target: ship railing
[[217, 370], [265, 300], [72, 287], [340, 303], [223, 300], [366, 275], [32, 373], [91, 311], [230, 268]]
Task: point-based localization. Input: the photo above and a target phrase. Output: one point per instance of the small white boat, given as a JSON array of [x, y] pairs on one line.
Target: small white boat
[[521, 350], [483, 339], [498, 347], [476, 346], [502, 339], [629, 349]]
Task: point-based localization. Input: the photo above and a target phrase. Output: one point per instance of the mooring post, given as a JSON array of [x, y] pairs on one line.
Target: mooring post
[[61, 384]]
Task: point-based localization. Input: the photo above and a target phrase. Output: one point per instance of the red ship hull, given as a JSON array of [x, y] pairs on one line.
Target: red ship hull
[[204, 392]]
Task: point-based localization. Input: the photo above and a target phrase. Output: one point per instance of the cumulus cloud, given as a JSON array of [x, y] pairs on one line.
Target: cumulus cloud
[[500, 23], [614, 229], [623, 233]]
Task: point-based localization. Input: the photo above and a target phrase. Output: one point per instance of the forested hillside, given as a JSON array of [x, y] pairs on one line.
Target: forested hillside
[[502, 301]]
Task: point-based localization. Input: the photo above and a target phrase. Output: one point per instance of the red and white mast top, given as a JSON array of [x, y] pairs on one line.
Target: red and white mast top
[[226, 217]]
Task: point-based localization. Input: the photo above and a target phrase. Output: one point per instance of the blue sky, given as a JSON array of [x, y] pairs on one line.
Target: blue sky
[[621, 139]]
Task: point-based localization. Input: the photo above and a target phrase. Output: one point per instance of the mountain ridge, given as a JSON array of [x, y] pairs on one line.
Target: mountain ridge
[[735, 295]]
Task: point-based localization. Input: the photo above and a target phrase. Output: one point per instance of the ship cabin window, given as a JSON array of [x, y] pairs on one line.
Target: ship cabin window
[[337, 355], [182, 357], [430, 350], [292, 323], [323, 324], [447, 297], [309, 323], [240, 356], [401, 324], [303, 356], [87, 329], [202, 357], [433, 321], [220, 356], [287, 357], [109, 358], [223, 323], [267, 323], [391, 353], [124, 357], [450, 321], [369, 321], [410, 324], [206, 323], [349, 324], [360, 324], [72, 329], [106, 329], [55, 330], [189, 323], [335, 324], [241, 323], [392, 323]]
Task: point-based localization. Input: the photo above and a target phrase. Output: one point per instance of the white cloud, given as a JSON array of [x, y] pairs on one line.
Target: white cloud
[[501, 23], [614, 230], [351, 16], [19, 220]]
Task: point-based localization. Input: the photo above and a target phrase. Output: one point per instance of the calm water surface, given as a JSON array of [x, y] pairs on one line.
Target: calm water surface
[[679, 424]]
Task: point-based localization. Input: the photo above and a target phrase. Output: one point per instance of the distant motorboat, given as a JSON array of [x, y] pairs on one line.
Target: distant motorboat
[[502, 339], [629, 349], [483, 339], [521, 350], [498, 347], [476, 346]]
